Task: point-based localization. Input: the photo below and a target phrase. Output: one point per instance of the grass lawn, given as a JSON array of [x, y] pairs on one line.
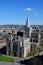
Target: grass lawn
[[31, 54], [6, 59]]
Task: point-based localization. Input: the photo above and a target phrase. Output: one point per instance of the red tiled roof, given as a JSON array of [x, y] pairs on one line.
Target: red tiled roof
[[2, 41]]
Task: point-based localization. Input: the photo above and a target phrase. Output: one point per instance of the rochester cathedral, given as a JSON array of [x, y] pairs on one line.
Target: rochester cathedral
[[20, 40]]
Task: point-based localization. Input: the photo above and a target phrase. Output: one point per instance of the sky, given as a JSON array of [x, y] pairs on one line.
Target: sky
[[17, 11]]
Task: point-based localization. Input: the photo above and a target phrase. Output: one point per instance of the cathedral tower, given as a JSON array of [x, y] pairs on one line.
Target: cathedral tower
[[27, 23], [27, 28]]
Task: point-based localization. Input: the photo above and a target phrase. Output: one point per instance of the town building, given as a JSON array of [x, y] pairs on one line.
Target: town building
[[21, 40]]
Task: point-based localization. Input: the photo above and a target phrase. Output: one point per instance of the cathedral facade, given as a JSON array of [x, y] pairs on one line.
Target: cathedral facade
[[18, 44]]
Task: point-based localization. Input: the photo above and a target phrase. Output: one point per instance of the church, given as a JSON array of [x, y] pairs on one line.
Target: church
[[21, 40], [18, 44]]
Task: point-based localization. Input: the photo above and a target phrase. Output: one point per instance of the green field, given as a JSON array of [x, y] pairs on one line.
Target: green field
[[6, 59]]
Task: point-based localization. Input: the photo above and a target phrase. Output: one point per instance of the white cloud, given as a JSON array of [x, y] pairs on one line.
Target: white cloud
[[28, 9], [36, 14]]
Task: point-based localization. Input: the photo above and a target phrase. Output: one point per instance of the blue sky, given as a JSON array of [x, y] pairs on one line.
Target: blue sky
[[16, 11]]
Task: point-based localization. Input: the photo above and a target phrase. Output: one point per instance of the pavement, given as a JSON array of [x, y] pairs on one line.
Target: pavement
[[5, 63], [18, 61]]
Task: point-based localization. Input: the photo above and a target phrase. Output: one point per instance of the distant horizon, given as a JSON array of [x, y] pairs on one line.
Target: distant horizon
[[19, 24]]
